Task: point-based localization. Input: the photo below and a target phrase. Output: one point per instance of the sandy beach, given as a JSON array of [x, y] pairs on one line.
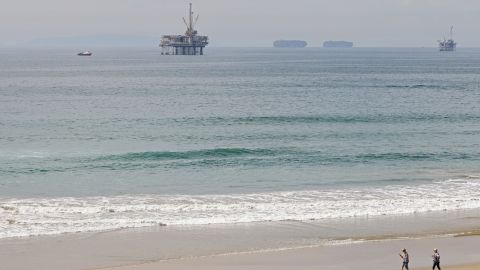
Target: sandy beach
[[357, 243], [231, 248], [463, 267], [460, 254]]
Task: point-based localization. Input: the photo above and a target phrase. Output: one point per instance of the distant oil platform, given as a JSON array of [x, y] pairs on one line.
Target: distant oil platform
[[447, 45], [289, 44], [189, 44]]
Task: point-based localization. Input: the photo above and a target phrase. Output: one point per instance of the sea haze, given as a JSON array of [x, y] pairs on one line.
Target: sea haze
[[130, 138]]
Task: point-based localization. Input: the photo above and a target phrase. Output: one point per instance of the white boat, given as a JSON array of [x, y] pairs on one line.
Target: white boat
[[85, 53]]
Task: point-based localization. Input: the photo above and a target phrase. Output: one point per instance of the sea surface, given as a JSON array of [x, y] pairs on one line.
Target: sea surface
[[131, 138]]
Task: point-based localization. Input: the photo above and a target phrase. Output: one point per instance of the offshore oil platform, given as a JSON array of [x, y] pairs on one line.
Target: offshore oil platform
[[189, 44], [447, 45]]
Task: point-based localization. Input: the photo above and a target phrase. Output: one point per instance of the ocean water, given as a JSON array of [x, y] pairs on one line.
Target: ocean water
[[130, 138]]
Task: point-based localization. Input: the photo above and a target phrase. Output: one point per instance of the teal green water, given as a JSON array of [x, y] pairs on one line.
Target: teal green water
[[309, 127]]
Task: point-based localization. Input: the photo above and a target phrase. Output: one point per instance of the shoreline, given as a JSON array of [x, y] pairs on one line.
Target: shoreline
[[264, 244], [458, 223]]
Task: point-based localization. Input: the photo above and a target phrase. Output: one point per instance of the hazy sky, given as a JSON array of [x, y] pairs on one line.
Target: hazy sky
[[249, 22]]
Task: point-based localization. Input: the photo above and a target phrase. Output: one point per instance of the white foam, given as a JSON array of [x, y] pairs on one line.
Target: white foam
[[40, 216]]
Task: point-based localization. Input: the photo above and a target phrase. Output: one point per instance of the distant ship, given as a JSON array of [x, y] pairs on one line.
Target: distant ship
[[338, 44], [290, 44], [85, 53], [447, 45]]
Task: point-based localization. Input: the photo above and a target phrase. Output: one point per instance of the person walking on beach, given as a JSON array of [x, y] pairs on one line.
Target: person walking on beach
[[436, 259], [406, 259]]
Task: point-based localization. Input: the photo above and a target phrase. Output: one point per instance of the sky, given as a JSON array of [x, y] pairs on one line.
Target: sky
[[240, 23]]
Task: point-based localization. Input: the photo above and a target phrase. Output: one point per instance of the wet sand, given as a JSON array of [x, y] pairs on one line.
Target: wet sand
[[132, 251], [360, 243], [363, 256]]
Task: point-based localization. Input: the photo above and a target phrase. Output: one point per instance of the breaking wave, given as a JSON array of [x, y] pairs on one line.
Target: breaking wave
[[39, 216]]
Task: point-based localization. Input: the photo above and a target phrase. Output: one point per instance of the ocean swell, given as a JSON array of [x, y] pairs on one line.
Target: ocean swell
[[194, 154], [222, 157]]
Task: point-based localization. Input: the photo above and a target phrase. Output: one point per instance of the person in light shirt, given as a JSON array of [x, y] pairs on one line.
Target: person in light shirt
[[436, 259]]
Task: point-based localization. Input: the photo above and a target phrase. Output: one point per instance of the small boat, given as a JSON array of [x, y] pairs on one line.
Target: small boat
[[85, 53]]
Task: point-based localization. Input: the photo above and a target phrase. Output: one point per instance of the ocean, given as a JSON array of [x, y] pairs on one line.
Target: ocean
[[131, 138]]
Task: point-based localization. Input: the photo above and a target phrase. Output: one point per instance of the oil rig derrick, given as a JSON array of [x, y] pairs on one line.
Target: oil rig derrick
[[447, 45], [188, 44]]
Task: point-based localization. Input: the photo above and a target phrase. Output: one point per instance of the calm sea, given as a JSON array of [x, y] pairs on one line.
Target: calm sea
[[130, 138]]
